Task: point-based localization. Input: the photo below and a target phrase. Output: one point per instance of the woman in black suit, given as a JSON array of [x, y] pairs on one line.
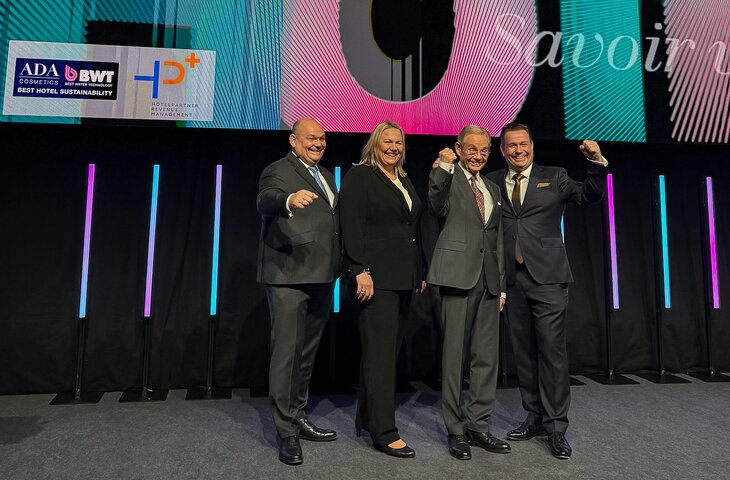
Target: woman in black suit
[[379, 214]]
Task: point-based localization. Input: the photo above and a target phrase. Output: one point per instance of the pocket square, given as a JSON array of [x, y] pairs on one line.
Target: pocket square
[[543, 184]]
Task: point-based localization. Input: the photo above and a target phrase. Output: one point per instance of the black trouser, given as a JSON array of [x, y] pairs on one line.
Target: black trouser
[[536, 319], [378, 321], [299, 314]]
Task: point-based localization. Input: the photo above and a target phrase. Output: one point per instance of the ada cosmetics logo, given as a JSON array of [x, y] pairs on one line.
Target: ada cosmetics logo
[[79, 79]]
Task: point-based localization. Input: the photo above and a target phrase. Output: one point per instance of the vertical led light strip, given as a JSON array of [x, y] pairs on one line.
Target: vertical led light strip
[[87, 241], [665, 242], [151, 244], [612, 243], [216, 241], [713, 245], [336, 300]]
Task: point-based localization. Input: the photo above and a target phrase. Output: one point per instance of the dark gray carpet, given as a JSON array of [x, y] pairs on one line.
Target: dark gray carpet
[[635, 431]]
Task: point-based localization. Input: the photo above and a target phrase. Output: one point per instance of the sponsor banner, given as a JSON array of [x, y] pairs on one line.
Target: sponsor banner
[[104, 81]]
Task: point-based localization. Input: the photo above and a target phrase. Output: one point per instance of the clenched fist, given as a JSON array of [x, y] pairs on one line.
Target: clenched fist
[[590, 150], [446, 155]]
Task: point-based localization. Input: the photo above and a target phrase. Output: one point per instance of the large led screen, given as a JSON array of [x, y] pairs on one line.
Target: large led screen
[[621, 70]]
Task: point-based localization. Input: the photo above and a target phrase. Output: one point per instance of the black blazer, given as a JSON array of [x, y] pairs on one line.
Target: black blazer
[[538, 221], [305, 247], [378, 230]]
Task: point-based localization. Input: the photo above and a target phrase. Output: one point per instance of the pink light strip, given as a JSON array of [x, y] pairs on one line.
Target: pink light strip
[[612, 241], [87, 241], [151, 243], [713, 245]]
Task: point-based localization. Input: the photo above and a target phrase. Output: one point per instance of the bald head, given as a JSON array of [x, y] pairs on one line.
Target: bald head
[[307, 140]]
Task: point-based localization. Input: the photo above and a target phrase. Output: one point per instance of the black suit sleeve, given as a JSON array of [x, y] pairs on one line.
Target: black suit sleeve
[[439, 186], [589, 191], [353, 218], [273, 192]]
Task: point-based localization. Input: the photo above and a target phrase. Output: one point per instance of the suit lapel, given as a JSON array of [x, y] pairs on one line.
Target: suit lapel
[[535, 178], [415, 201], [496, 204], [307, 176], [394, 190], [330, 179]]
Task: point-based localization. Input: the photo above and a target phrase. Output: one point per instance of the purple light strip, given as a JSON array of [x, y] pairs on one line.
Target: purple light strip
[[151, 243], [87, 241], [713, 245], [612, 241]]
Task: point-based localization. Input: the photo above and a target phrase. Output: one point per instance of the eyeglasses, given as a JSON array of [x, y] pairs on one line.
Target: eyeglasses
[[473, 152]]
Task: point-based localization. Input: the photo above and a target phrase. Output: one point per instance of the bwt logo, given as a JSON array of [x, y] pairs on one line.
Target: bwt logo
[[86, 76], [191, 60]]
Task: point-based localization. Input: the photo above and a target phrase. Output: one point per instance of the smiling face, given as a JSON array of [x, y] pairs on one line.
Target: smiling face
[[389, 149], [473, 152], [308, 141], [517, 149]]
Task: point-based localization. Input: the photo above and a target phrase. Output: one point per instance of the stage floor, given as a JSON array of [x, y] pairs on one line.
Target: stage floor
[[622, 431]]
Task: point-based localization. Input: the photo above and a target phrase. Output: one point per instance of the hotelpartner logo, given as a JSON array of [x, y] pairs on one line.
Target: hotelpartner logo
[[80, 79], [176, 69]]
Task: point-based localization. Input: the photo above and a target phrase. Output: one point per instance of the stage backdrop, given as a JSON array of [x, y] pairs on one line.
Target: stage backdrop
[[621, 71], [43, 197]]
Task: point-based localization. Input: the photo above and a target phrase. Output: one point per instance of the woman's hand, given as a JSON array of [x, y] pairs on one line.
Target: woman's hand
[[365, 289]]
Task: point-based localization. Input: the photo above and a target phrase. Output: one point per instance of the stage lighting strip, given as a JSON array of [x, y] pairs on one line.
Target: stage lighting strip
[[87, 241], [216, 241], [612, 243], [713, 244], [151, 244], [336, 299], [665, 242]]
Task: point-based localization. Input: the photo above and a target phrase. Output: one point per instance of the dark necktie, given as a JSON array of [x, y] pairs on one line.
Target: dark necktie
[[478, 196], [517, 204]]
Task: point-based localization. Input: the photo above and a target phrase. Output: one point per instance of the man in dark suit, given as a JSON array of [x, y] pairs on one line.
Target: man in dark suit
[[538, 274], [299, 259], [468, 267]]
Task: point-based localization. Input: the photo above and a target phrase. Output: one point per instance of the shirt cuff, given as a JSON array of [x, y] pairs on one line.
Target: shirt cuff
[[503, 294], [449, 167], [601, 161], [288, 210]]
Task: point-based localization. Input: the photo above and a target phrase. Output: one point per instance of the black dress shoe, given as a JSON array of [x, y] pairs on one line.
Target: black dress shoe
[[459, 447], [405, 452], [487, 441], [290, 451], [527, 431], [559, 446], [311, 432]]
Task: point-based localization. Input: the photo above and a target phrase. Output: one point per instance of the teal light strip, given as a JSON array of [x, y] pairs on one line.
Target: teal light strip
[[665, 242], [603, 85], [336, 301], [216, 241]]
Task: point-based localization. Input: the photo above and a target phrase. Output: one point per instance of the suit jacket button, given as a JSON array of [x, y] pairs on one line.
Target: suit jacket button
[[481, 250], [414, 240]]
